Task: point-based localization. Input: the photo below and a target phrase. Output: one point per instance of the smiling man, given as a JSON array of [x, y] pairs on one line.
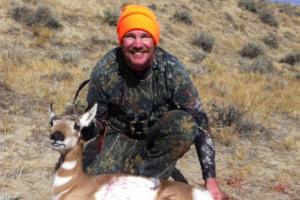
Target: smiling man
[[148, 108]]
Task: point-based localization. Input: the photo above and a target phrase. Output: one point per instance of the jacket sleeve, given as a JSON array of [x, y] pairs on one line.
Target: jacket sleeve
[[185, 97]]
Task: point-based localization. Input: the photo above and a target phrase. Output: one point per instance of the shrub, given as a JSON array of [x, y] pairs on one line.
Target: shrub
[[70, 56], [259, 65], [98, 41], [58, 76], [291, 59], [232, 116], [251, 50], [289, 9], [111, 16], [226, 115], [271, 41], [183, 16], [249, 5], [41, 17], [268, 17], [246, 126], [205, 41], [21, 14]]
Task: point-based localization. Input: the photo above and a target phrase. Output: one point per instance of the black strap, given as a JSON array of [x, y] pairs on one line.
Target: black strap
[[79, 89]]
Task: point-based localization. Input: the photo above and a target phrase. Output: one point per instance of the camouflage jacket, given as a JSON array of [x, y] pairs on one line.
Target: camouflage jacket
[[121, 96]]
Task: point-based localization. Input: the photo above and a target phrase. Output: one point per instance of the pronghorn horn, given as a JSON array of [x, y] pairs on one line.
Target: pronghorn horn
[[74, 109]]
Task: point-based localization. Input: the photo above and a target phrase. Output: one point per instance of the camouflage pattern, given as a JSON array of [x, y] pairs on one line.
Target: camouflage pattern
[[171, 138], [166, 99]]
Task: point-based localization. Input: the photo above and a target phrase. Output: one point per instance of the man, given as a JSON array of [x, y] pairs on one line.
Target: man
[[147, 106]]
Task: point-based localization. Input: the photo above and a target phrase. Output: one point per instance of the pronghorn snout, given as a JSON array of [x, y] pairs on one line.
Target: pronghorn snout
[[58, 141], [57, 136]]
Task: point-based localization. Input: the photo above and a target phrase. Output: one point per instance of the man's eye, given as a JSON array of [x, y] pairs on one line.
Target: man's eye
[[51, 123], [145, 36], [129, 36]]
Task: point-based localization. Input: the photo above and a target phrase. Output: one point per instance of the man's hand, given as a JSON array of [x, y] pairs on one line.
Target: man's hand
[[211, 185]]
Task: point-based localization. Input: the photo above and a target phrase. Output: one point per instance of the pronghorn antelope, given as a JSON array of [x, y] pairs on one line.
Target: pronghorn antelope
[[71, 183]]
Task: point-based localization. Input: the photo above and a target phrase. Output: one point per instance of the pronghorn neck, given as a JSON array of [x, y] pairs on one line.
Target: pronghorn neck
[[70, 170], [75, 154]]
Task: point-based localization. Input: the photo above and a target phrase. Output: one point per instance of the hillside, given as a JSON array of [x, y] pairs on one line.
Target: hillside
[[243, 56]]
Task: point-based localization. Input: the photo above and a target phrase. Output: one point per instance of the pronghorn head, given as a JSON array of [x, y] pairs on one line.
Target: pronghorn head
[[65, 129]]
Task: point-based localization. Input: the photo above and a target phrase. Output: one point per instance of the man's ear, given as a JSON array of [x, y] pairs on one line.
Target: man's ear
[[86, 118]]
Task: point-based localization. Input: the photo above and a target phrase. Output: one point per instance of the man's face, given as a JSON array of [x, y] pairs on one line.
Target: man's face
[[138, 49]]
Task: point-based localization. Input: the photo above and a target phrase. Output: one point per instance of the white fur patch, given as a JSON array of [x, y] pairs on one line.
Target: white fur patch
[[199, 194], [57, 197], [69, 165], [101, 194], [59, 181], [129, 188], [69, 142]]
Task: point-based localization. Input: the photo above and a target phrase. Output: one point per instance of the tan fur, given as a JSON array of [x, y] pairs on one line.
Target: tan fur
[[81, 185]]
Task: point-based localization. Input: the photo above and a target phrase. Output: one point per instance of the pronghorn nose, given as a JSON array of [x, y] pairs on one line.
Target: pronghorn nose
[[57, 136]]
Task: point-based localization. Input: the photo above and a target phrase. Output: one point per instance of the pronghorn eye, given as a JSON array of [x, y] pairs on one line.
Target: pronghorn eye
[[76, 127], [51, 123]]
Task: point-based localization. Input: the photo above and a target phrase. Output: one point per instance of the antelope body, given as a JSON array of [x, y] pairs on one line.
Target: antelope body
[[71, 183]]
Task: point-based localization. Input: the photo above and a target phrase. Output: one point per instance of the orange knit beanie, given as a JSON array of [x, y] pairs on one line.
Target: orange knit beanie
[[138, 17]]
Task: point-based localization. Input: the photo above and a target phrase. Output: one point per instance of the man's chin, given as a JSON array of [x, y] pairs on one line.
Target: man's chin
[[138, 68], [139, 65]]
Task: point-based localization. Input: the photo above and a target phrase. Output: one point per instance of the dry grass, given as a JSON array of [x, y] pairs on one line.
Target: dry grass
[[5, 124], [288, 143], [257, 94], [37, 86]]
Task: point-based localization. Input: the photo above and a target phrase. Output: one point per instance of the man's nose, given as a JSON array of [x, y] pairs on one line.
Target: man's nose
[[138, 43]]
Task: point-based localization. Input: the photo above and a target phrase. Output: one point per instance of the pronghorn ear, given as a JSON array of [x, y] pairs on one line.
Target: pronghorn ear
[[86, 118], [51, 112]]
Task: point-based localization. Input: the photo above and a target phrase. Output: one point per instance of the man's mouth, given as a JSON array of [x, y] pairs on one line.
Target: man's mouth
[[138, 54]]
